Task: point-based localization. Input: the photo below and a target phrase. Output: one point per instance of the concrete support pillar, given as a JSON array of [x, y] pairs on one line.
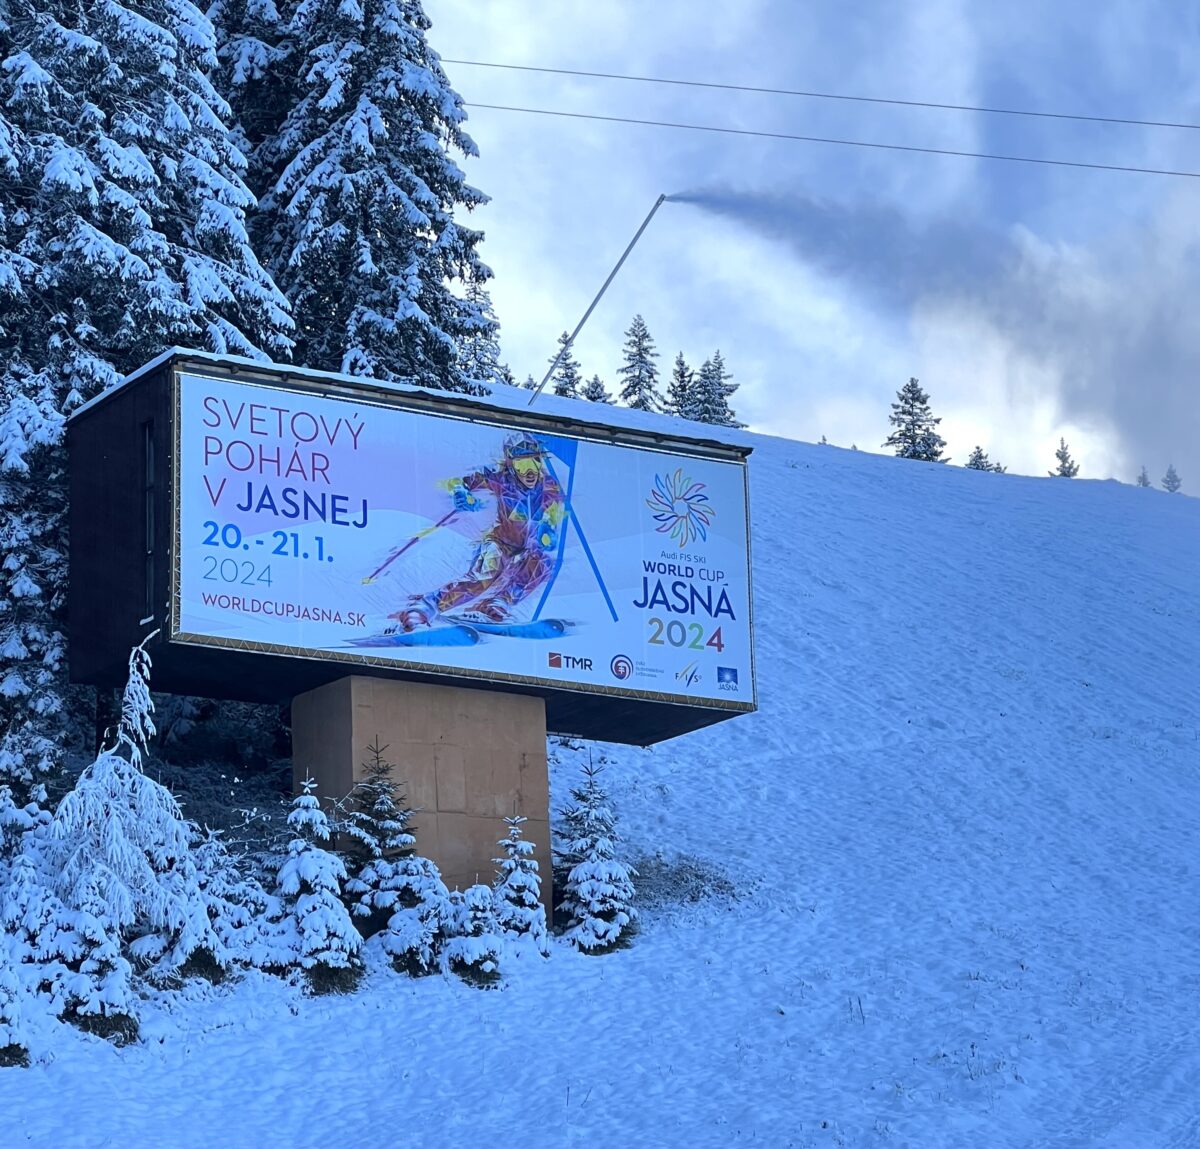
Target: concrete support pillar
[[467, 758]]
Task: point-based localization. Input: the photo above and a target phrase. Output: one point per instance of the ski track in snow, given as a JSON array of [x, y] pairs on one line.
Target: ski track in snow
[[964, 823]]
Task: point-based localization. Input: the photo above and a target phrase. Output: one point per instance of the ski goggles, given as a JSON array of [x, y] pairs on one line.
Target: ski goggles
[[527, 466]]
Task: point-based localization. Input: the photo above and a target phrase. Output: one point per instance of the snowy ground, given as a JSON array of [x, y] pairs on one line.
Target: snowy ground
[[964, 829]]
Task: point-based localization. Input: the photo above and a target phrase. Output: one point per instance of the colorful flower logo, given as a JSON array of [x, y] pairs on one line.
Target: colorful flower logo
[[681, 508]]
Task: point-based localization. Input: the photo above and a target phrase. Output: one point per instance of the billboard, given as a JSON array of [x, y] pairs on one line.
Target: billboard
[[333, 526]]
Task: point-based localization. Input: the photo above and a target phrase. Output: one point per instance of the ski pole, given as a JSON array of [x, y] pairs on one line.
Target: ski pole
[[421, 534]]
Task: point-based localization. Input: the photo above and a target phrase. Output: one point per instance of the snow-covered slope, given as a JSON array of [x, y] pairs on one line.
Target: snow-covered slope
[[964, 835]]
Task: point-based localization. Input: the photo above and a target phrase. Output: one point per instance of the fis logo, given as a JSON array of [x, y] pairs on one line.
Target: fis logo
[[727, 678], [568, 662], [688, 675]]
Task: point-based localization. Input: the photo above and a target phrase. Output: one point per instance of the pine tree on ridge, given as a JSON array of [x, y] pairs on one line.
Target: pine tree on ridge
[[710, 392], [679, 389], [567, 376], [1171, 480], [596, 392], [1067, 467], [915, 435], [640, 389], [979, 461]]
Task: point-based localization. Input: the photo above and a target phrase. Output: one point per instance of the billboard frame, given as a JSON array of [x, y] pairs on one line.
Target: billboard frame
[[167, 374]]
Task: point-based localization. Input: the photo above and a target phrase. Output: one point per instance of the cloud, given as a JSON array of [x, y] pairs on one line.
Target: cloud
[[1106, 329]]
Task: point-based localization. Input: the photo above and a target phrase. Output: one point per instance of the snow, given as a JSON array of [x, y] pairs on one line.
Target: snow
[[955, 893]]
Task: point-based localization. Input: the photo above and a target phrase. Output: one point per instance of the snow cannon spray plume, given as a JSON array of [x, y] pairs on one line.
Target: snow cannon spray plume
[[872, 246], [611, 276]]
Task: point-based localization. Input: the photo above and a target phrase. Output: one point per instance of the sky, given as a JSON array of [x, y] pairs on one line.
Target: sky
[[1032, 302]]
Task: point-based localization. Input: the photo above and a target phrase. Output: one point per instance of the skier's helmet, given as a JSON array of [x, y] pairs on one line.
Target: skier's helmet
[[523, 456], [522, 446]]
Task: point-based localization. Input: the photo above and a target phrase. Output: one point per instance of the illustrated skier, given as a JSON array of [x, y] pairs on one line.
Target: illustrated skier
[[515, 555]]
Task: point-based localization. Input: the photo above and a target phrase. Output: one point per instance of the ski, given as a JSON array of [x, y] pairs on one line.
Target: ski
[[456, 634], [543, 628]]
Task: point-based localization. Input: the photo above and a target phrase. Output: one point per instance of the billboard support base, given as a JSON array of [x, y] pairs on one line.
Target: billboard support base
[[466, 760]]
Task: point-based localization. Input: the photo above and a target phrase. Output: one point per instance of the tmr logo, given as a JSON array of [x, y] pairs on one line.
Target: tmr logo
[[568, 662], [727, 678]]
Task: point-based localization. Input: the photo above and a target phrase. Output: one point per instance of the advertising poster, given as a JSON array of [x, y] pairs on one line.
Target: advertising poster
[[326, 526]]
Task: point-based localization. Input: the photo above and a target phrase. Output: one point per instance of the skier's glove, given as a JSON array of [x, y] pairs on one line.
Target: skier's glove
[[547, 536], [465, 500]]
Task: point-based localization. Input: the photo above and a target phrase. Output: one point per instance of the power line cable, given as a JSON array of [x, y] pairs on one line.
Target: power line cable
[[830, 95], [840, 142]]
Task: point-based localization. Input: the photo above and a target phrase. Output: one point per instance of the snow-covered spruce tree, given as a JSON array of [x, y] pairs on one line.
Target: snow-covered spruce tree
[[116, 858], [640, 387], [1067, 467], [568, 377], [315, 930], [1143, 479], [517, 891], [33, 716], [475, 948], [710, 394], [598, 896], [237, 906], [915, 435], [479, 351], [679, 389], [417, 930], [127, 226], [44, 943], [596, 391], [253, 72], [1171, 480], [358, 194], [979, 461], [17, 816], [505, 375], [122, 231], [373, 822], [391, 885], [14, 1041]]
